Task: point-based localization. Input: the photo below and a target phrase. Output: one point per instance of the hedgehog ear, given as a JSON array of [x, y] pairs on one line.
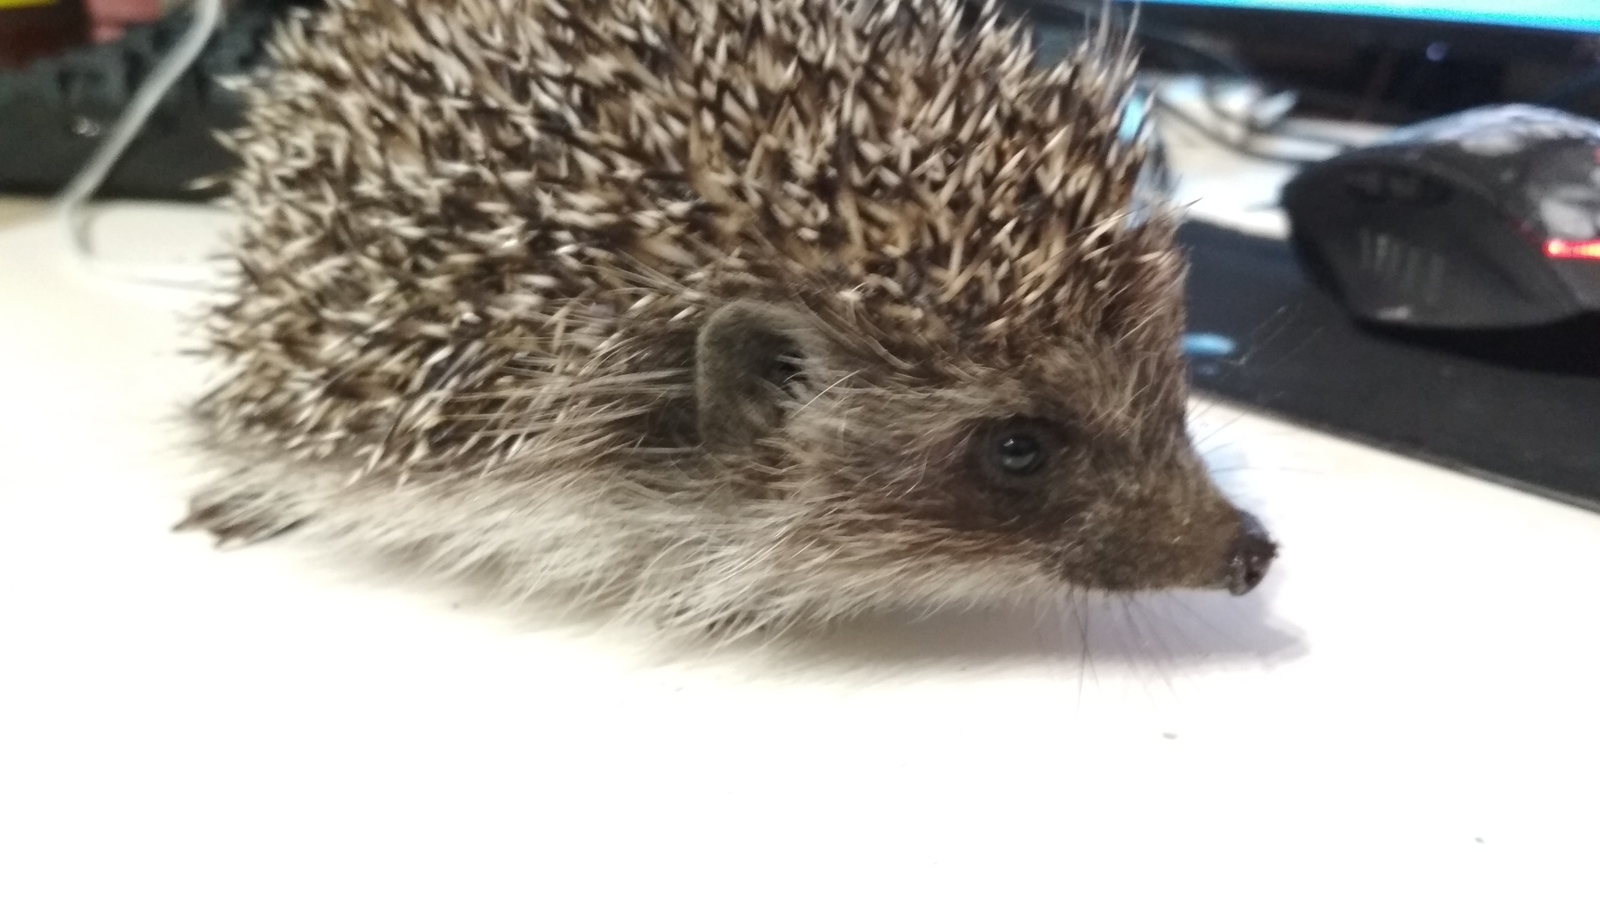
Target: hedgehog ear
[[748, 358]]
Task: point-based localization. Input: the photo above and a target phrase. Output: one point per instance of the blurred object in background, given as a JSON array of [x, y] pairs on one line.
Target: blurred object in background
[[108, 19], [1378, 61], [30, 29], [54, 113]]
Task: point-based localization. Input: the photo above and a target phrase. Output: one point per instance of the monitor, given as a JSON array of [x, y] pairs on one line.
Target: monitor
[[1581, 16]]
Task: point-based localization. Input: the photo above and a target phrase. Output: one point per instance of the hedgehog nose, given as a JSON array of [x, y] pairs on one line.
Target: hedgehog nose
[[1250, 556]]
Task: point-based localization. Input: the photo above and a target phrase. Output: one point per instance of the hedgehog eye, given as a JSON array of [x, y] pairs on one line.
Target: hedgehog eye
[[1019, 453], [787, 373], [1013, 452]]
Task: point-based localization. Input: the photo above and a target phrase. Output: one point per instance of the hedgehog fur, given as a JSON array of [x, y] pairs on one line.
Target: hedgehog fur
[[708, 310]]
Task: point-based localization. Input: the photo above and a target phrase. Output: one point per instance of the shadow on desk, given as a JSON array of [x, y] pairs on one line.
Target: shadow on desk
[[1163, 635]]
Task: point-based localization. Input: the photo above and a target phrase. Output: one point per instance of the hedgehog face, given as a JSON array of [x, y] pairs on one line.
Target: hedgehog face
[[1111, 510], [1067, 471]]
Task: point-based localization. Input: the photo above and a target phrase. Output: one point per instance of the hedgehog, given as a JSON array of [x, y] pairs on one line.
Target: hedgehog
[[766, 312]]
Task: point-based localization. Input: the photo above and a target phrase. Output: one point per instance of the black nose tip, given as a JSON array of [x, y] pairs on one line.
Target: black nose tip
[[1250, 556]]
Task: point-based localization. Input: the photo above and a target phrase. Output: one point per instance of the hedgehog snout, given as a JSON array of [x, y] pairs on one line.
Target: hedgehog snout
[[1250, 555]]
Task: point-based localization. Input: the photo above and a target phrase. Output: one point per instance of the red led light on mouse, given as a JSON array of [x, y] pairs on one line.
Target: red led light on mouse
[[1555, 248]]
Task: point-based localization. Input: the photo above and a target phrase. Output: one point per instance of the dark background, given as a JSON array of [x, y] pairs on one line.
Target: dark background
[[1366, 68]]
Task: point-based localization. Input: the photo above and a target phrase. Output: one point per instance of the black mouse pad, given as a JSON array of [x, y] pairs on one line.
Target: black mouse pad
[[1519, 408]]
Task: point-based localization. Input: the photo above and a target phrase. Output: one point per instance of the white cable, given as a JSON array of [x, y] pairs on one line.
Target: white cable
[[70, 203]]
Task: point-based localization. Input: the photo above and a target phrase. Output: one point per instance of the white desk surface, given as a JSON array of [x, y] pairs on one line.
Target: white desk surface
[[1406, 709]]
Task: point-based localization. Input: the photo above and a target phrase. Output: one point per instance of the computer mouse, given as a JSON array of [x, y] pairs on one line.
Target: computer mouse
[[1488, 218]]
